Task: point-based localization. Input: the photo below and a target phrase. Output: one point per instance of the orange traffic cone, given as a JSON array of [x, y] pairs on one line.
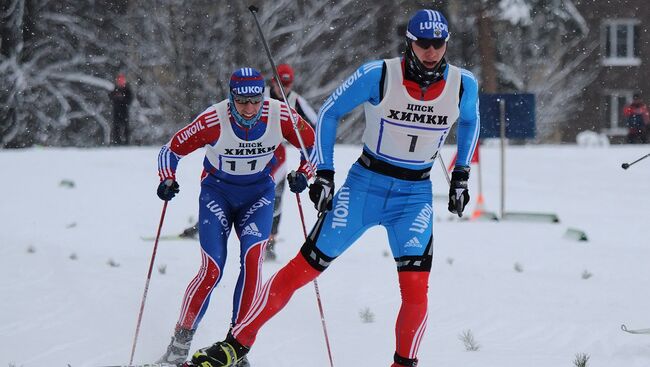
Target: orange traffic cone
[[478, 210]]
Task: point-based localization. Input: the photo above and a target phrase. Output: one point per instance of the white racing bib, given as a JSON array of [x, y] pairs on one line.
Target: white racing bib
[[235, 156], [407, 130]]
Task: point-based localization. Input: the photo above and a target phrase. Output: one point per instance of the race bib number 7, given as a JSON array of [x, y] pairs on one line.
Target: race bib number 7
[[409, 144]]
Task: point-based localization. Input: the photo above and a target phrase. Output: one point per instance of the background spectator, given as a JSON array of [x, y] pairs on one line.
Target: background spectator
[[121, 97], [637, 119]]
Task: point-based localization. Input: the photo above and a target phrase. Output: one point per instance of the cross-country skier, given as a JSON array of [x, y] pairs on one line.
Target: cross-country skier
[[240, 135], [410, 106], [279, 168]]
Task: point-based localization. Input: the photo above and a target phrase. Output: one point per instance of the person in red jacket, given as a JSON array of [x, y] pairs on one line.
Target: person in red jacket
[[637, 118], [279, 169]]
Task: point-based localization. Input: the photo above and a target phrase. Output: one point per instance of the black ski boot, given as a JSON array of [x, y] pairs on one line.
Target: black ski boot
[[190, 232], [406, 362], [243, 362], [221, 354], [270, 254], [178, 348]]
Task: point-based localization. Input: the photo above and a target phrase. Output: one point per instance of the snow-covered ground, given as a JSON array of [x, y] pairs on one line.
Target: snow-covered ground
[[56, 310]]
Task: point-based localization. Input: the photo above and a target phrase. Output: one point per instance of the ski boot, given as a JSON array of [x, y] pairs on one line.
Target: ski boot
[[178, 348], [190, 232], [402, 361], [243, 362], [222, 354], [270, 254]]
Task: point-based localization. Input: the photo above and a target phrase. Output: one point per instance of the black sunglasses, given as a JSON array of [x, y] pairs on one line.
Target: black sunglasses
[[247, 99], [425, 43]]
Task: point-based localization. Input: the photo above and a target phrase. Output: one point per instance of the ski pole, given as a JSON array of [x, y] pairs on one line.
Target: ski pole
[[146, 285], [627, 165], [253, 9], [320, 304], [442, 165]]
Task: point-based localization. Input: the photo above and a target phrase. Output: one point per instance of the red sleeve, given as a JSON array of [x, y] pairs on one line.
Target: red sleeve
[[205, 129], [289, 133], [306, 132], [627, 111]]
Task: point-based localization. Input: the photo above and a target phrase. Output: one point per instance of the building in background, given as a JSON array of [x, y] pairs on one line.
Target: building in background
[[623, 59]]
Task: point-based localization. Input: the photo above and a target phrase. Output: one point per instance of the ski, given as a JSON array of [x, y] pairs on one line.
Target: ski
[[171, 237], [186, 364], [635, 331]]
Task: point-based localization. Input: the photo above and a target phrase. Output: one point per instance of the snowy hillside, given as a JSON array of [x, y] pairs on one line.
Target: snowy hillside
[[529, 296]]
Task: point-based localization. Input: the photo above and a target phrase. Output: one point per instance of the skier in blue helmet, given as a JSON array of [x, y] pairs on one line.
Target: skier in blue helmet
[[240, 135], [246, 84], [411, 103], [427, 28], [279, 168]]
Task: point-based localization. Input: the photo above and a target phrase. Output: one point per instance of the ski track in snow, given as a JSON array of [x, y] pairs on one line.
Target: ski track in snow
[[57, 311]]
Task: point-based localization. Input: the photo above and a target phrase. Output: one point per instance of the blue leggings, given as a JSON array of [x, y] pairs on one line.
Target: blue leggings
[[248, 209], [367, 199]]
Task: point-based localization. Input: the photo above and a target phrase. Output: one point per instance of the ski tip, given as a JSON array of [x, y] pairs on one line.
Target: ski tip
[[185, 364], [623, 327]]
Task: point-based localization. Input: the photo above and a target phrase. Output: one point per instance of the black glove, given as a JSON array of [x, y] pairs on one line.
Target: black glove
[[297, 181], [458, 194], [321, 191], [168, 189]]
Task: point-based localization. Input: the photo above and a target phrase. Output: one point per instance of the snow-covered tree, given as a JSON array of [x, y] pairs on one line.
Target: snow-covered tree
[[186, 54], [542, 47], [178, 56], [48, 73], [548, 56], [58, 58]]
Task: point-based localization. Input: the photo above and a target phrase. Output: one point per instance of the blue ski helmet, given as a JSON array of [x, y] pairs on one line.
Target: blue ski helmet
[[247, 82], [428, 24]]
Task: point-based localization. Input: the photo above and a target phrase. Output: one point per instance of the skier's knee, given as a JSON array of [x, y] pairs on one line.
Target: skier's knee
[[418, 262], [315, 257], [414, 286]]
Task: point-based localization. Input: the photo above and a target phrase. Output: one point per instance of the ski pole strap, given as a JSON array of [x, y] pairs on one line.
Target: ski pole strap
[[387, 169]]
